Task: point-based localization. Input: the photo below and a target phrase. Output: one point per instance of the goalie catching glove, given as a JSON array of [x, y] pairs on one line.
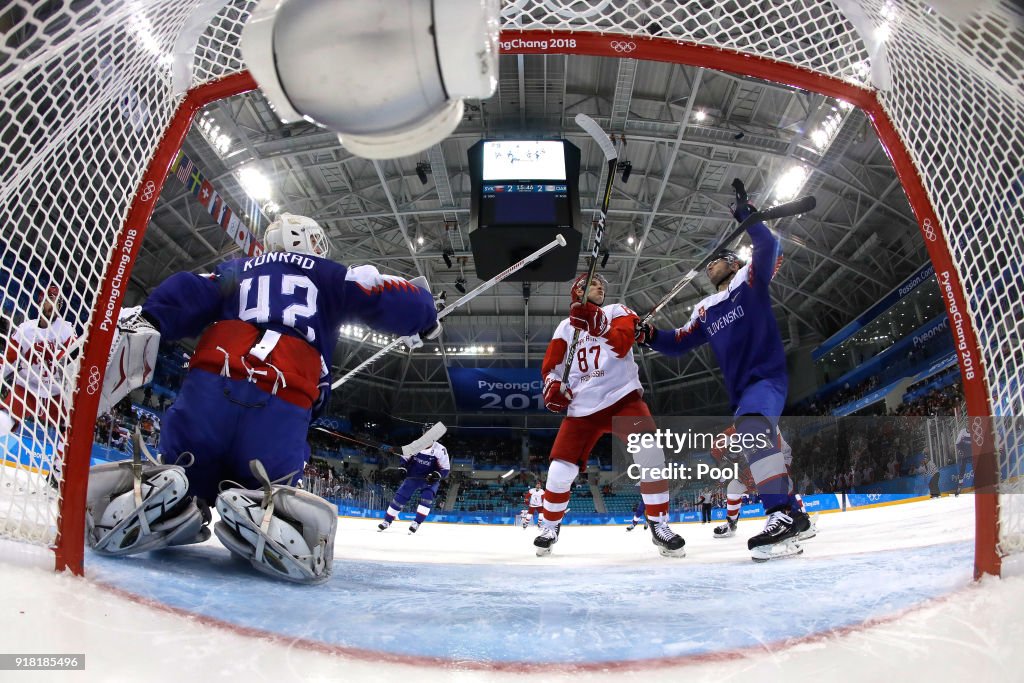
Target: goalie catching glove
[[556, 396], [132, 360], [280, 530]]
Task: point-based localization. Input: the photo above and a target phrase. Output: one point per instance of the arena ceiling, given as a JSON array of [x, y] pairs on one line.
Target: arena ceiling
[[687, 132]]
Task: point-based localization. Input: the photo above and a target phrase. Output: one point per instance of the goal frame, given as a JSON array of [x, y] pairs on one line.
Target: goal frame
[[69, 545]]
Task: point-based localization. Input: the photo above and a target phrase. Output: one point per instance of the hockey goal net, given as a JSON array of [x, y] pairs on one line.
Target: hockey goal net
[[96, 99]]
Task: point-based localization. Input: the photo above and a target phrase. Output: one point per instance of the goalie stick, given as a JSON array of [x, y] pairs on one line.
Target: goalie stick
[[793, 208], [559, 241], [436, 431], [604, 142]]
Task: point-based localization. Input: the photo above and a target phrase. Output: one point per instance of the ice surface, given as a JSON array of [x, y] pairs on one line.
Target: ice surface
[[476, 599]]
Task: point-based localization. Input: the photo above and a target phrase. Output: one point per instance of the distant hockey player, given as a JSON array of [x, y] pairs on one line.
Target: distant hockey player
[[36, 358], [603, 383], [424, 472], [705, 502], [739, 324], [931, 471], [963, 458], [737, 488], [638, 516], [267, 327], [534, 499]]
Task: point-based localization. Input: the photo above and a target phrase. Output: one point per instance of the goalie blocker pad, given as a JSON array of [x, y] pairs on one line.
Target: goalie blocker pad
[[132, 361], [117, 523], [296, 542]]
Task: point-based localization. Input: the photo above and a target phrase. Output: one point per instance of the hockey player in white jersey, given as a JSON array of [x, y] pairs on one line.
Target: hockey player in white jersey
[[603, 383], [534, 500], [36, 357], [739, 324]]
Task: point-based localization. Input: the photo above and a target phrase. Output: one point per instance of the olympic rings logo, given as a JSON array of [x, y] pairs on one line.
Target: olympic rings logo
[[929, 230], [93, 384], [978, 429], [623, 46], [148, 190]]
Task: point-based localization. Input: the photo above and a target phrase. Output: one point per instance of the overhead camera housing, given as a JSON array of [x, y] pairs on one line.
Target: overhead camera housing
[[388, 77]]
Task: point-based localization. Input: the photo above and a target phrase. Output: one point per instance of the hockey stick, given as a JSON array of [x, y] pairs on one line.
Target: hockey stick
[[604, 142], [436, 431], [559, 241], [793, 208]]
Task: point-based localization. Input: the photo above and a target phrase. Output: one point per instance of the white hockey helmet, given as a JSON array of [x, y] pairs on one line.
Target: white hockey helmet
[[389, 77], [298, 234]]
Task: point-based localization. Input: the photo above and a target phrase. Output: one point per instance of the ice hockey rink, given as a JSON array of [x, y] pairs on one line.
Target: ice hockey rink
[[884, 591]]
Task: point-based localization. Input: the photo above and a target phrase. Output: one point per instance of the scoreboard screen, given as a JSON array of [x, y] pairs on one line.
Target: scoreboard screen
[[524, 194], [525, 204], [524, 160]]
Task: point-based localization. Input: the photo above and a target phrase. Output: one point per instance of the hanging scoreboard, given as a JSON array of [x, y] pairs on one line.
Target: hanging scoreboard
[[524, 193]]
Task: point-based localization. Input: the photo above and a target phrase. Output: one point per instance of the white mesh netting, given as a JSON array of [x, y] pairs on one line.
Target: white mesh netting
[[86, 92]]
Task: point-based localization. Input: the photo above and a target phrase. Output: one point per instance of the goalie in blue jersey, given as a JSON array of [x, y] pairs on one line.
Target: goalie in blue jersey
[[738, 322], [267, 327]]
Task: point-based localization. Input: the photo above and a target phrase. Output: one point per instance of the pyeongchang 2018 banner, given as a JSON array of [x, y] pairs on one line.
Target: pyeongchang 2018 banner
[[508, 389]]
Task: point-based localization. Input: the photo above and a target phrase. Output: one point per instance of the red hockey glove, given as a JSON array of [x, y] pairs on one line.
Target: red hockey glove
[[645, 334], [556, 398], [589, 318]]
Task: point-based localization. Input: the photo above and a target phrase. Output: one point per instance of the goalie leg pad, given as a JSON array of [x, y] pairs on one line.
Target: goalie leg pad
[[118, 524], [296, 543]]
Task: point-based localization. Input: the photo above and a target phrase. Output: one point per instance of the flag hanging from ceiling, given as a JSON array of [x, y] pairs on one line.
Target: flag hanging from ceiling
[[242, 232]]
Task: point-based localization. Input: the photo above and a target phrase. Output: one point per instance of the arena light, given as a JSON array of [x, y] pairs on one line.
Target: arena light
[[791, 182], [255, 184], [699, 115]]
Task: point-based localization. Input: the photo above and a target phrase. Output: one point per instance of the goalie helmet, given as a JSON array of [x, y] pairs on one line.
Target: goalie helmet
[[578, 286], [297, 234]]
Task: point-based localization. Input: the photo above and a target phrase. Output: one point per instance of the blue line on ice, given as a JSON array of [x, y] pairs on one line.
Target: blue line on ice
[[508, 613]]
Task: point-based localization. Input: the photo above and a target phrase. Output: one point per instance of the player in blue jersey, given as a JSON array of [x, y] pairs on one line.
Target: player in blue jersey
[[267, 327], [638, 516], [424, 472], [963, 457], [738, 322]]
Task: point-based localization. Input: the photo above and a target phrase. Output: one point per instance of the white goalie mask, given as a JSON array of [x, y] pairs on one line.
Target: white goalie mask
[[388, 77], [297, 234]]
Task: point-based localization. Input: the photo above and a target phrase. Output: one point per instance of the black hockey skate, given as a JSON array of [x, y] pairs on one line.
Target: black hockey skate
[[779, 537], [670, 544], [413, 526], [726, 530], [548, 537], [383, 525]]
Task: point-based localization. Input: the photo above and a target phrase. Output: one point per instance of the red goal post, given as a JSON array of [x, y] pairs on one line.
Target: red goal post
[[115, 90]]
